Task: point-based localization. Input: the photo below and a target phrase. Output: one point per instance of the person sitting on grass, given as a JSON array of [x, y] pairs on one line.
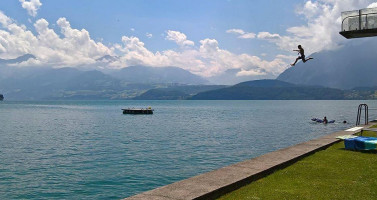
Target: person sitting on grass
[[300, 50]]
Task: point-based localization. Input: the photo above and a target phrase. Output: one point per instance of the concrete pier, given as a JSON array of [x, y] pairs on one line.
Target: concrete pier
[[213, 184]]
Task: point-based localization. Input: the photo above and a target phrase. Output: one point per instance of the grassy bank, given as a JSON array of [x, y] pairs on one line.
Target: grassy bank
[[334, 173]]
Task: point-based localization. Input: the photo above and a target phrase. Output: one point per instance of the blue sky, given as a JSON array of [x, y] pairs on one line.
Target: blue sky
[[198, 19], [206, 37]]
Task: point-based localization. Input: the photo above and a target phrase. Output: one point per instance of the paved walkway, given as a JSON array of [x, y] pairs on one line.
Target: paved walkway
[[213, 184]]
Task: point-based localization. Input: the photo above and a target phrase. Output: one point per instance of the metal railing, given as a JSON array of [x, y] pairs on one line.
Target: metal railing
[[359, 19]]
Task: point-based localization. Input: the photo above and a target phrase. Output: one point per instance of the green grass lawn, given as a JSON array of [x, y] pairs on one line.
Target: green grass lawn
[[334, 173]]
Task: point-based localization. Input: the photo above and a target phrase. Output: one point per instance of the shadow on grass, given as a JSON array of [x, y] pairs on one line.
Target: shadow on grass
[[360, 151]]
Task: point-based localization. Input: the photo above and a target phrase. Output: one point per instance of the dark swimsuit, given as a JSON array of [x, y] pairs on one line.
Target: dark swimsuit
[[302, 57]]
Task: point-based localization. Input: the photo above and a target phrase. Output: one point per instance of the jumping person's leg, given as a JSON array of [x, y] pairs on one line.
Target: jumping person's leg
[[296, 61], [308, 59], [304, 59]]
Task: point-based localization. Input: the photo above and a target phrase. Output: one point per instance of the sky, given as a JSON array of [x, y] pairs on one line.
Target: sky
[[205, 37]]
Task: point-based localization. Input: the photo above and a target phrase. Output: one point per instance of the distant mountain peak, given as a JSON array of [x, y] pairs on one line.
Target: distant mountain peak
[[267, 83], [270, 90], [147, 74], [19, 59], [231, 77], [26, 57], [107, 58]]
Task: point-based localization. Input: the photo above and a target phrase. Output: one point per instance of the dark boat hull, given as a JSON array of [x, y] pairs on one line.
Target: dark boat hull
[[138, 111]]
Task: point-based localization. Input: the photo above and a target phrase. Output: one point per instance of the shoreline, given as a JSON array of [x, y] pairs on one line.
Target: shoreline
[[216, 183]]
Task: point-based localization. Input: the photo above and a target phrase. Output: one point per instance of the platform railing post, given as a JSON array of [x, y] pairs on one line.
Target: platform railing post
[[359, 19], [366, 21]]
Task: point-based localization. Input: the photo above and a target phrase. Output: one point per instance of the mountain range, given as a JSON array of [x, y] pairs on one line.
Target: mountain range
[[230, 77], [176, 92], [144, 74], [347, 72], [33, 83], [270, 90]]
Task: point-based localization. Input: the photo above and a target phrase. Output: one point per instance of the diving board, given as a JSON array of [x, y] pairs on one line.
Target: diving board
[[354, 129]]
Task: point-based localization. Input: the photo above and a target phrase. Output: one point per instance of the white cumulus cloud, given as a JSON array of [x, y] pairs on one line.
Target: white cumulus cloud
[[31, 6], [322, 26], [310, 9], [372, 5], [247, 36], [4, 20], [74, 47], [179, 38], [207, 60], [267, 35], [236, 31], [241, 33], [252, 72]]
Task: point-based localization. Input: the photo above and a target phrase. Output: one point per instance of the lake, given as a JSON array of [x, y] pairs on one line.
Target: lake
[[90, 150]]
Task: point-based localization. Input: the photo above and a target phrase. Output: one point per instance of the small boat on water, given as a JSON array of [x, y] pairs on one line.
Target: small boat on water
[[135, 111], [1, 97]]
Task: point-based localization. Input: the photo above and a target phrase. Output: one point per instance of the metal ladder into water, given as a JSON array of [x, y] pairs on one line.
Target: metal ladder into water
[[366, 114]]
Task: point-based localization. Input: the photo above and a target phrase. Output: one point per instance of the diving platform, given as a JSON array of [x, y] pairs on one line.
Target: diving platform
[[359, 23]]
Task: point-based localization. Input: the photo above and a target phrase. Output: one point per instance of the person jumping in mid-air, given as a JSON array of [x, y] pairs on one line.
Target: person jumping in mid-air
[[300, 50]]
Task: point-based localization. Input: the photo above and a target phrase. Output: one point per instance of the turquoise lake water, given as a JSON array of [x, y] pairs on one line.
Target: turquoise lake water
[[90, 150]]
